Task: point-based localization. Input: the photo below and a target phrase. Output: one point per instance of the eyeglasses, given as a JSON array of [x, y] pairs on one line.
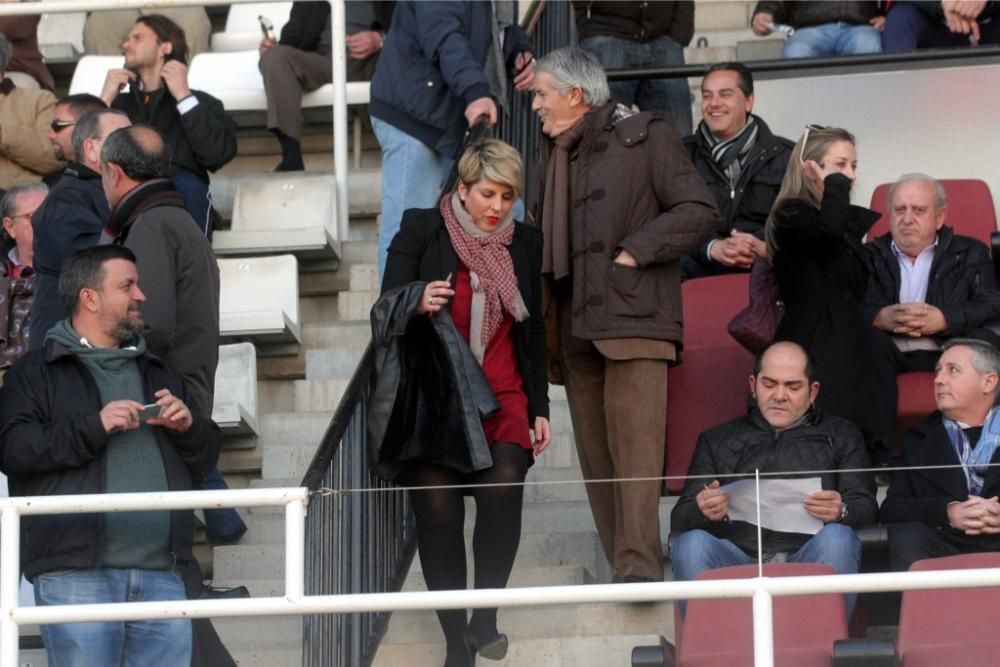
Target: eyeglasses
[[805, 140], [59, 125]]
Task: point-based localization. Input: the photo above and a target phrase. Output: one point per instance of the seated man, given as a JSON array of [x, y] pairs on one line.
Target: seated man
[[743, 165], [936, 25], [301, 63], [25, 116], [782, 433], [70, 423], [822, 28], [200, 135], [944, 511], [926, 284]]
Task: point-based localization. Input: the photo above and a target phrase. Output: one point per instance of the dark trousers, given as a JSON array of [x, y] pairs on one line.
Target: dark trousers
[[913, 541], [907, 29]]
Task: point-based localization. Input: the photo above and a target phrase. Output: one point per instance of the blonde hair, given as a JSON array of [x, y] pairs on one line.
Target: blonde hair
[[812, 145], [493, 160]]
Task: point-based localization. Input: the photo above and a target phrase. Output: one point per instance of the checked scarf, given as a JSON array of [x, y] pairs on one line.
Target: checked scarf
[[975, 460], [726, 151], [494, 285]]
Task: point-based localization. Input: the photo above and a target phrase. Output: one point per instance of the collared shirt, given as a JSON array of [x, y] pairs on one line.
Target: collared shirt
[[914, 274], [14, 266]]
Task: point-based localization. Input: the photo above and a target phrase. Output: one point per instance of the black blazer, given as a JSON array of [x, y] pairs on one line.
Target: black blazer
[[923, 495], [422, 251]]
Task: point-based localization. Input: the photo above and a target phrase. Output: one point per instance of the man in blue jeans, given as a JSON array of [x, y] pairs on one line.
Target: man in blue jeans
[[633, 35], [443, 65], [783, 433], [74, 421], [822, 28]]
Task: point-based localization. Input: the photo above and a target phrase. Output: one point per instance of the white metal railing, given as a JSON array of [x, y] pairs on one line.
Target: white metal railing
[[339, 57], [295, 602]]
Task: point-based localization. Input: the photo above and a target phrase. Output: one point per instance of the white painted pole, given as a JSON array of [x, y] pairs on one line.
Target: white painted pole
[[763, 629], [341, 210], [10, 581], [295, 550]]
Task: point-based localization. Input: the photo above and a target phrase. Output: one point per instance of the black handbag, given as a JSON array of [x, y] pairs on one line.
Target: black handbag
[[755, 326]]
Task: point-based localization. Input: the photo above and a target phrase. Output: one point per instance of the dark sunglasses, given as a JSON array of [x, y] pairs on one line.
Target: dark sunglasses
[[58, 125]]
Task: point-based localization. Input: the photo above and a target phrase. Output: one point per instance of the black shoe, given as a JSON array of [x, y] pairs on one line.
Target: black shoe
[[492, 646], [210, 593]]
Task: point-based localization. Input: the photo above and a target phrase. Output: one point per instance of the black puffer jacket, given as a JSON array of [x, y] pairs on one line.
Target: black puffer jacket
[[961, 283], [806, 14], [747, 443], [52, 443], [637, 21], [746, 207]]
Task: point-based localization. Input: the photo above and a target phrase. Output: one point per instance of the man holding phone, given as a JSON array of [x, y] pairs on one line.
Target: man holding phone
[[300, 62], [73, 424], [201, 138]]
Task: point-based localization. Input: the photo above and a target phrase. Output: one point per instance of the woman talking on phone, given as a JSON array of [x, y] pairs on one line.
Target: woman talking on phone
[[485, 269], [814, 238]]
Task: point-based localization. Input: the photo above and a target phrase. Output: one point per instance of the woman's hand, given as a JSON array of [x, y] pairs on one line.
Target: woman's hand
[[543, 435], [436, 296], [818, 171]]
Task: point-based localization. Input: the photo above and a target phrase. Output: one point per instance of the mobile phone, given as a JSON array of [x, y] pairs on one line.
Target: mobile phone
[[266, 27], [150, 411]]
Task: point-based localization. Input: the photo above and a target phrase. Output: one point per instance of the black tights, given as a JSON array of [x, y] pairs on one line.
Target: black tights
[[440, 515]]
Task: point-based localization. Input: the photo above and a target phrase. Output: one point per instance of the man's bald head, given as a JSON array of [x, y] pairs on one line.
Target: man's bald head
[[783, 385], [140, 152]]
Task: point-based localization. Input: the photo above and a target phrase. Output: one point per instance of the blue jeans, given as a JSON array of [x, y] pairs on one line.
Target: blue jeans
[[671, 96], [412, 176], [222, 525], [197, 198], [695, 551], [125, 644], [907, 29], [832, 39]]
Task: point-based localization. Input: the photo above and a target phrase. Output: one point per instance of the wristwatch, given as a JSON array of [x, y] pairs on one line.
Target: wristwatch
[[843, 512]]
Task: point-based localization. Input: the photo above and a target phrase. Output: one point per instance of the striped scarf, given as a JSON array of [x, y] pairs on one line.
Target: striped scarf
[[975, 460], [491, 269], [726, 151]]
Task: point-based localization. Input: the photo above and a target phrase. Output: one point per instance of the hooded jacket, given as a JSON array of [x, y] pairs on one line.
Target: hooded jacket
[[52, 442], [748, 443], [430, 395]]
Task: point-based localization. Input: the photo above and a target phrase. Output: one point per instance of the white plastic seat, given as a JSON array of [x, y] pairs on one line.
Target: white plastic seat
[[283, 213], [91, 71], [235, 408], [259, 299], [61, 35], [243, 29]]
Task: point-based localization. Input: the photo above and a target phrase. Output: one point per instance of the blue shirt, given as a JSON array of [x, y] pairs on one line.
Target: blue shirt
[[914, 274]]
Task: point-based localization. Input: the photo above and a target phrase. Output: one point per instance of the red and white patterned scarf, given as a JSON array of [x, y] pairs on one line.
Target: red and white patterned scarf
[[494, 285]]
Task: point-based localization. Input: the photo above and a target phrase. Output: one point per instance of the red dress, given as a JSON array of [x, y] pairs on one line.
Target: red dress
[[510, 424]]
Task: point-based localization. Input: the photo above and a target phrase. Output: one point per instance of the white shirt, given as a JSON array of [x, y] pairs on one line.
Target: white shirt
[[914, 274]]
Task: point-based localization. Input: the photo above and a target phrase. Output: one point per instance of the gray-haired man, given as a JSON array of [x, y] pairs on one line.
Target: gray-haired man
[[623, 184]]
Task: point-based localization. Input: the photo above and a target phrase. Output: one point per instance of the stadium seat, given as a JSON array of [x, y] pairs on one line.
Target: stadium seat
[[710, 386], [971, 213], [61, 35], [90, 73], [235, 408], [259, 299], [719, 632], [953, 626], [243, 28], [268, 218]]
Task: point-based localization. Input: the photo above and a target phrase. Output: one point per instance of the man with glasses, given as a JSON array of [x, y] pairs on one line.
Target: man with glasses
[[72, 216], [68, 111], [25, 115], [17, 281]]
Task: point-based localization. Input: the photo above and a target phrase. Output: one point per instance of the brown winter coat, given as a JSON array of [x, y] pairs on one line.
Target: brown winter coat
[[633, 187], [25, 149]]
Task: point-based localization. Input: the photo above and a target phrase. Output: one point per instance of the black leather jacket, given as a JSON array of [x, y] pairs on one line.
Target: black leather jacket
[[430, 393], [961, 283], [748, 443]]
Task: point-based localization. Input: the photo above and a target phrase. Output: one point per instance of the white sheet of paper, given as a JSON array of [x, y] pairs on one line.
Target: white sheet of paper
[[780, 503]]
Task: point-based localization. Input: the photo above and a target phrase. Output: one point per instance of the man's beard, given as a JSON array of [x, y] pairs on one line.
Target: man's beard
[[127, 327]]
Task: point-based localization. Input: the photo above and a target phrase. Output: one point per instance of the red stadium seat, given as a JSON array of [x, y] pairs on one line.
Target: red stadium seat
[[710, 386], [719, 632], [950, 627], [971, 213]]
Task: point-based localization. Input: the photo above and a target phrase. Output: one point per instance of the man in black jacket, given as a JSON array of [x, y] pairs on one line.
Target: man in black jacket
[[300, 62], [71, 217], [926, 285], [822, 28], [73, 422], [194, 124], [783, 433], [942, 501], [743, 165]]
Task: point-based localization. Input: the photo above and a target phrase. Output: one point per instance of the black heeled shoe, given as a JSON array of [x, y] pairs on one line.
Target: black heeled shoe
[[491, 647]]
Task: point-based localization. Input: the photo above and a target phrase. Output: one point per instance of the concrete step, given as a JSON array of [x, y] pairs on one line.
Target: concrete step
[[319, 395], [556, 575], [521, 623], [336, 335], [722, 15], [543, 550], [292, 440], [601, 651], [278, 657], [548, 484], [323, 309], [249, 562], [364, 278], [332, 364], [261, 633], [356, 305]]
